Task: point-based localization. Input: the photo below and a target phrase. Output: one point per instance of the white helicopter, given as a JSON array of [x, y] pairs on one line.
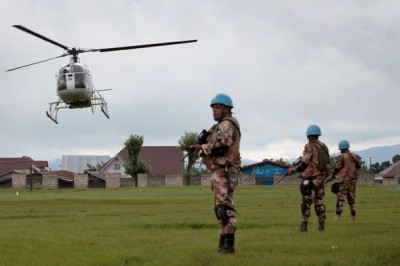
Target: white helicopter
[[74, 82]]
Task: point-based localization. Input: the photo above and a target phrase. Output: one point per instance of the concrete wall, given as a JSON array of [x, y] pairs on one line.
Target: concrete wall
[[363, 179], [113, 180], [19, 181], [49, 181], [81, 181], [174, 180]]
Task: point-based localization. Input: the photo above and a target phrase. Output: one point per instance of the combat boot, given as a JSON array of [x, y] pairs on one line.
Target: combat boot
[[321, 226], [353, 215], [221, 243], [303, 226], [337, 218], [229, 246]]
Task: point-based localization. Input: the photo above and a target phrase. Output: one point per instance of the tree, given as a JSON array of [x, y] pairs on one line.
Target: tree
[[91, 168], [396, 158], [281, 161], [135, 166], [385, 165], [375, 168], [187, 139]]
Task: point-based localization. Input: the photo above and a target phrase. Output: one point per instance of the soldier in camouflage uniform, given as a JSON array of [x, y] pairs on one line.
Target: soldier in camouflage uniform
[[222, 158], [313, 168], [346, 174]]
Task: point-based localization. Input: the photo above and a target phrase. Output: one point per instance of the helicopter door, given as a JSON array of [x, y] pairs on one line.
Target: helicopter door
[[62, 79], [80, 76]]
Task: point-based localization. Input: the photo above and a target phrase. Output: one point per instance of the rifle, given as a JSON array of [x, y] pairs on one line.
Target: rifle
[[201, 139], [295, 163]]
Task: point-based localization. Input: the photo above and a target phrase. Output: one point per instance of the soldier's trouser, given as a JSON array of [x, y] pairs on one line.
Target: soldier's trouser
[[316, 196], [223, 199], [347, 190]]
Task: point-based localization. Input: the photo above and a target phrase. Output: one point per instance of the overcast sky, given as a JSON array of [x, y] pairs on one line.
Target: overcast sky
[[286, 65]]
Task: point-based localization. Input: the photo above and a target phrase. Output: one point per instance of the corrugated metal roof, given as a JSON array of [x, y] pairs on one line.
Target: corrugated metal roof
[[78, 163]]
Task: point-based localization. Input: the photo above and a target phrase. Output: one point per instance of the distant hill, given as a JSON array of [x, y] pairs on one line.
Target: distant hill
[[379, 154]]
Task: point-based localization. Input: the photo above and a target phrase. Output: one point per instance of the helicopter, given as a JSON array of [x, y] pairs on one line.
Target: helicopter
[[74, 81]]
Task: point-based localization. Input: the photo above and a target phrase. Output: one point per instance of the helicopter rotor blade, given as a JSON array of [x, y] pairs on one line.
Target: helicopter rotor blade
[[20, 27], [140, 46], [36, 63]]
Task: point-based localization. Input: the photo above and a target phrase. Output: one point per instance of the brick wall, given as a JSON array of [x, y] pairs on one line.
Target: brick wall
[[81, 181], [113, 180], [155, 181], [19, 181], [205, 180], [176, 180], [363, 179], [142, 180], [246, 180], [128, 182], [49, 181]]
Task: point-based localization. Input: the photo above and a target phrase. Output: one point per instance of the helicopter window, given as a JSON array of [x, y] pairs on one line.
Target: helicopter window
[[78, 69], [63, 71], [80, 79], [61, 82]]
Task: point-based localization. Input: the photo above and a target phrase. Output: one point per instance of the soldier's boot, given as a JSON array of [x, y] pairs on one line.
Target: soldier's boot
[[221, 243], [337, 218], [353, 215], [303, 226], [321, 226], [229, 246]]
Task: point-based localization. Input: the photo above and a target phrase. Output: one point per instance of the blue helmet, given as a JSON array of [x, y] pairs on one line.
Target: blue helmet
[[344, 144], [222, 99], [313, 130]]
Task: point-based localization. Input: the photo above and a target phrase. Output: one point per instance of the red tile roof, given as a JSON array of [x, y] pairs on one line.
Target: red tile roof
[[391, 171], [23, 163]]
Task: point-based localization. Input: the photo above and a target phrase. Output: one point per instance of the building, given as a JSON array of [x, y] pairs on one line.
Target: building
[[391, 175], [265, 171], [79, 163], [162, 160], [23, 163]]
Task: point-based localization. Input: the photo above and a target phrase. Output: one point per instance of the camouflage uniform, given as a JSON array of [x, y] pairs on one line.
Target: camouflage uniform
[[313, 181], [346, 174], [222, 157]]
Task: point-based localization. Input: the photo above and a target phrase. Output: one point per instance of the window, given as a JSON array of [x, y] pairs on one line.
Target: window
[[117, 166]]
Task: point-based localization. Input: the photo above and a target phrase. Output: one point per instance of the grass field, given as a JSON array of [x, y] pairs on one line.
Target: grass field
[[177, 226]]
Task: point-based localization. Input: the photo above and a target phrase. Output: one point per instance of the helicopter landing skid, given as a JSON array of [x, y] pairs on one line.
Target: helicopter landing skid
[[96, 99], [53, 110]]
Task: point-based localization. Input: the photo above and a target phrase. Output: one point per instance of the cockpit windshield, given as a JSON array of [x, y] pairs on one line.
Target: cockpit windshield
[[78, 69]]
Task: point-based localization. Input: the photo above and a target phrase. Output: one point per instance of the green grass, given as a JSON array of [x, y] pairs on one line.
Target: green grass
[[177, 226]]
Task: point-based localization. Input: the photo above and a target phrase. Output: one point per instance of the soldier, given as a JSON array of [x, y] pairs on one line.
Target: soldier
[[313, 168], [222, 158], [346, 175]]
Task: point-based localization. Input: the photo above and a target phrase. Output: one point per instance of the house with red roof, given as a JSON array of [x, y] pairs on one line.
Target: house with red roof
[[161, 160], [390, 175]]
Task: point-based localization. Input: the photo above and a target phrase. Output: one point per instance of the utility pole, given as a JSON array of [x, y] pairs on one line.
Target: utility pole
[[370, 164]]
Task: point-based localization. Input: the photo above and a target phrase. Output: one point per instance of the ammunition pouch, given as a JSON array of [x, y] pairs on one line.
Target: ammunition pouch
[[335, 188], [306, 187], [220, 151], [301, 166]]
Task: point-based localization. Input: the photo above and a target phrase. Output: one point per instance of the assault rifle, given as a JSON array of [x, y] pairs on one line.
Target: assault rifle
[[295, 163], [201, 139]]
